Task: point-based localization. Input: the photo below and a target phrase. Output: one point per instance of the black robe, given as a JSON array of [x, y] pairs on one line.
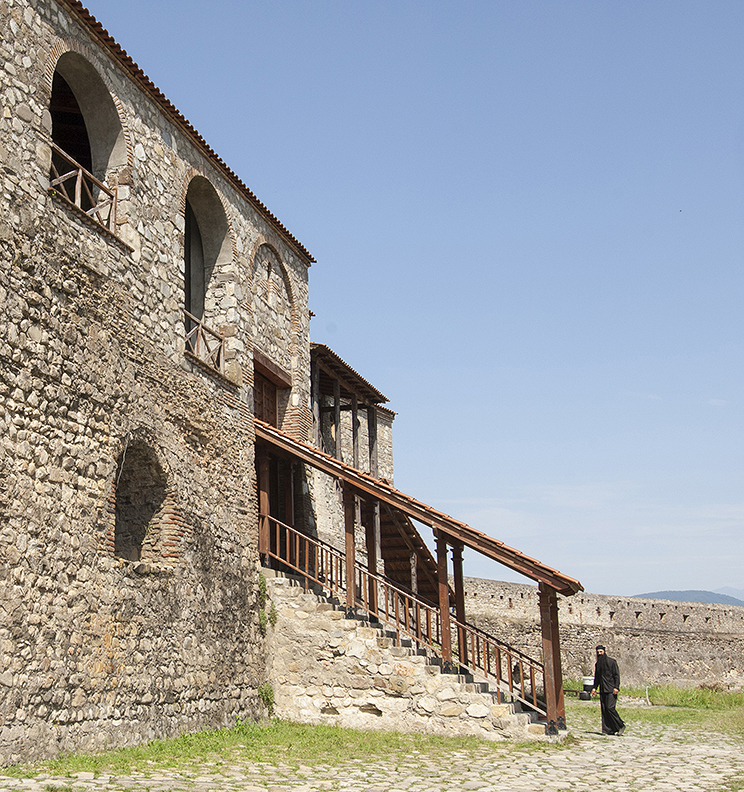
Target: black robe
[[607, 679]]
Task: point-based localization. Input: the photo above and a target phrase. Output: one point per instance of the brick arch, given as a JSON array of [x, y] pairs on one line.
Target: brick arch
[[188, 177], [63, 46], [144, 520], [294, 308]]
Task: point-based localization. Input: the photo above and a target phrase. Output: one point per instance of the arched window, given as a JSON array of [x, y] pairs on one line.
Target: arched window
[[206, 243], [207, 246], [87, 136]]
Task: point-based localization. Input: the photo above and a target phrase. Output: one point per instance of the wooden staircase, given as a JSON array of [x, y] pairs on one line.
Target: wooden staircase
[[372, 676], [511, 675]]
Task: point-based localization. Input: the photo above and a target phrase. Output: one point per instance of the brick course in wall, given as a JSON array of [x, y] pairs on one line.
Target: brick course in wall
[[97, 649]]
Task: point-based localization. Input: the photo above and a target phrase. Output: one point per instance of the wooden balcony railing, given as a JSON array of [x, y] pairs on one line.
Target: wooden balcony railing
[[70, 180], [205, 344], [516, 676]]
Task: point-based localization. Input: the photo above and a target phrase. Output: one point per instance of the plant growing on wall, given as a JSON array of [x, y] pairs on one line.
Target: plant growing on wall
[[266, 694]]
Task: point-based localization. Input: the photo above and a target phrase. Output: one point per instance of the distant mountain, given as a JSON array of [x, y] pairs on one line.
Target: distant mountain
[[714, 597], [731, 592]]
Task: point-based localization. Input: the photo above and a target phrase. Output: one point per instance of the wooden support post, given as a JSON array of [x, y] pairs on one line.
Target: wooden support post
[[546, 595], [462, 643], [560, 703], [289, 496], [337, 418], [448, 667], [376, 522], [355, 430], [263, 507], [413, 559], [368, 510], [317, 415], [349, 509], [372, 434]]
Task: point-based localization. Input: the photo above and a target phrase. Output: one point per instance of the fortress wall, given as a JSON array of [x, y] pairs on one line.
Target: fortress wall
[[654, 641]]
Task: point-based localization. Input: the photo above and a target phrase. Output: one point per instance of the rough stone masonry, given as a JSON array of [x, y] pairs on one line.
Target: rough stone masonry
[[128, 559]]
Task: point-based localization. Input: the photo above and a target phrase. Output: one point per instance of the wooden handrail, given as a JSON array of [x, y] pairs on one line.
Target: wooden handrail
[[516, 675], [83, 190], [205, 344]]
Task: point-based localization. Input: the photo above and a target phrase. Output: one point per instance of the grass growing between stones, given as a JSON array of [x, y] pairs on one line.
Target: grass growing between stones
[[274, 742]]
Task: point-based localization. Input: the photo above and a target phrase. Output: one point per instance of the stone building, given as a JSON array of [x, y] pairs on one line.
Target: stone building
[[165, 422]]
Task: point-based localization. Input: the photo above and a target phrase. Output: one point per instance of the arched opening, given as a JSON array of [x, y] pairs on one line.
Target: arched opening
[[85, 121], [206, 243], [68, 125], [140, 496], [87, 137]]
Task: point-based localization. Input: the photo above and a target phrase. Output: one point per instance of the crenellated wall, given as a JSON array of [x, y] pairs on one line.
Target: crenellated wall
[[654, 641]]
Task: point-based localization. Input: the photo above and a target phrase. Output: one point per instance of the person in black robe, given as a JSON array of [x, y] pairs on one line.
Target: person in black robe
[[607, 682]]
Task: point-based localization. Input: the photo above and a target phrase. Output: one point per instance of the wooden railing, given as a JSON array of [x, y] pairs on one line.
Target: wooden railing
[[73, 182], [516, 675], [205, 344]]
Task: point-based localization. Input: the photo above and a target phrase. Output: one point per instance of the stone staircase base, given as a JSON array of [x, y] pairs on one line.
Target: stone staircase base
[[326, 668]]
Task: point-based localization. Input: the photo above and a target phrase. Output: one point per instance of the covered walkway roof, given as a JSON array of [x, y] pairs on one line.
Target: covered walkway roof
[[454, 530]]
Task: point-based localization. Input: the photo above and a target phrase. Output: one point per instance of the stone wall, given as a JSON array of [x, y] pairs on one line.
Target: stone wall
[[654, 641], [128, 559], [327, 669], [325, 511]]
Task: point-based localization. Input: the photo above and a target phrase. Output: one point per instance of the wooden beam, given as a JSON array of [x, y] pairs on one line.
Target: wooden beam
[[560, 702], [448, 666], [349, 510], [459, 600], [315, 390], [372, 435], [355, 430], [263, 506], [289, 497], [272, 371], [546, 594], [337, 418], [369, 511]]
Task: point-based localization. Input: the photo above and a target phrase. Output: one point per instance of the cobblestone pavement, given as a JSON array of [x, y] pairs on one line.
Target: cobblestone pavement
[[645, 759]]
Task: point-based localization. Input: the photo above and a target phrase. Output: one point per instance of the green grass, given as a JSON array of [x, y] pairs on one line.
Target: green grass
[[274, 742], [279, 742], [702, 697], [694, 708]]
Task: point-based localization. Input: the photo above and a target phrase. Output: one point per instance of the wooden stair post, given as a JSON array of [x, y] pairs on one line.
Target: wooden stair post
[[552, 678], [462, 645], [349, 515], [371, 521], [263, 506], [448, 666]]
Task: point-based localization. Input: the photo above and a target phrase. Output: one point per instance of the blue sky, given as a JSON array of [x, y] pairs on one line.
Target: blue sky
[[527, 218]]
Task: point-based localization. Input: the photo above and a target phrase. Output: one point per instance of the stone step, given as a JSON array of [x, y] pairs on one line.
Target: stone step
[[398, 668]]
